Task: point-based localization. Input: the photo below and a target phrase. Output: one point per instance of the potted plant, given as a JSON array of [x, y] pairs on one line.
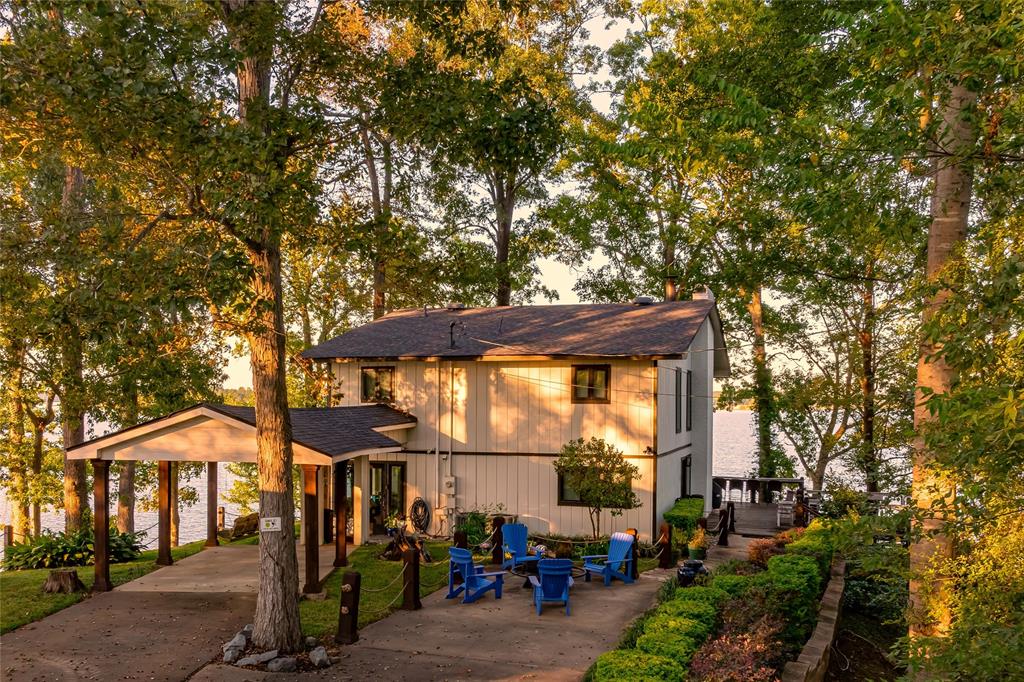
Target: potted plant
[[697, 547], [391, 523]]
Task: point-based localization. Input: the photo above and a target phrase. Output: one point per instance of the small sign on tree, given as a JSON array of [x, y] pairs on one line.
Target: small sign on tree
[[600, 475]]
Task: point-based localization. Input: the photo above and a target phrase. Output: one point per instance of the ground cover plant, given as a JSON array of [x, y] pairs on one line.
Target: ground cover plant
[[54, 550]]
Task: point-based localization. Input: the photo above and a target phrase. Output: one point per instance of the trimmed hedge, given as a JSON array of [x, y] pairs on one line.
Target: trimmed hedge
[[685, 512], [792, 584], [711, 595], [733, 585], [631, 665], [672, 645], [688, 608], [697, 630]]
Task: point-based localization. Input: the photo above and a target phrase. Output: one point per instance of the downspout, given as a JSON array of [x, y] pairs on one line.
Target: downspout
[[654, 468], [451, 436], [437, 437]]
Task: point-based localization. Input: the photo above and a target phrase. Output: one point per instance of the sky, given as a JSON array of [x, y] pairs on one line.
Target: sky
[[553, 275]]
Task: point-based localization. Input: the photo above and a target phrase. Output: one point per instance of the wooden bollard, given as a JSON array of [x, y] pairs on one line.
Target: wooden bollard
[[731, 508], [498, 548], [220, 518], [348, 612], [411, 580], [461, 539], [634, 553], [8, 535], [665, 545]]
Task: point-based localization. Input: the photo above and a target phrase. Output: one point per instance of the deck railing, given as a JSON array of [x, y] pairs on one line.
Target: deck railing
[[754, 489]]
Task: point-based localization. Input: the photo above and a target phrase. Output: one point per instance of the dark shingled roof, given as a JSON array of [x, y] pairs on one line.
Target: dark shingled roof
[[661, 329], [333, 430]]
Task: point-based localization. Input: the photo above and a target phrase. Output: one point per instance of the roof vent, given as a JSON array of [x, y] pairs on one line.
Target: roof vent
[[456, 306], [643, 300]]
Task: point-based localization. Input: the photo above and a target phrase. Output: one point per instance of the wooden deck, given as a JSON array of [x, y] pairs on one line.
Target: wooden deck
[[756, 520]]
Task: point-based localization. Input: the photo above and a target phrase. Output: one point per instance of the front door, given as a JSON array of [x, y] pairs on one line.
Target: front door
[[387, 494]]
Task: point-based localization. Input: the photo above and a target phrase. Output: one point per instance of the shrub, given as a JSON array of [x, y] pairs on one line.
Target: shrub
[[733, 585], [627, 665], [735, 567], [713, 596], [760, 551], [672, 645], [54, 550], [742, 653], [791, 587], [840, 500], [696, 630], [815, 544], [697, 610], [685, 513]]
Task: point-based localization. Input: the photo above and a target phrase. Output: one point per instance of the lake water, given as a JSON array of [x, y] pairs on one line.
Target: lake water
[[734, 444]]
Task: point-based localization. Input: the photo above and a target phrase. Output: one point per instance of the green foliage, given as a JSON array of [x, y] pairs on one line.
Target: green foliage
[[630, 665], [672, 645], [840, 500], [709, 595], [54, 550], [474, 522], [689, 608], [601, 476], [685, 513], [733, 585]]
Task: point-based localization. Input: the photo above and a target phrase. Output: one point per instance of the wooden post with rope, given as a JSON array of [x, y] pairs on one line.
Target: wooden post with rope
[[348, 612], [665, 545], [411, 580], [498, 542]]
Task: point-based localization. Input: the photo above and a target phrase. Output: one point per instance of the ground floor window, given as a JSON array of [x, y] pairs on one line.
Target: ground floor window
[[566, 495]]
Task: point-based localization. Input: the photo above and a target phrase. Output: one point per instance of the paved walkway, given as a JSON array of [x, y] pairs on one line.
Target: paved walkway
[[163, 626], [489, 640]]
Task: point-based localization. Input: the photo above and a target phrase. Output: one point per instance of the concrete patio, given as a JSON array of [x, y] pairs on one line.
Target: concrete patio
[[489, 640]]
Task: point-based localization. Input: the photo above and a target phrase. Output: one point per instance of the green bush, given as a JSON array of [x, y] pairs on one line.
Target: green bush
[[685, 513], [711, 595], [791, 587], [815, 544], [733, 585], [688, 608], [54, 550], [840, 500], [697, 630], [630, 665], [672, 645]]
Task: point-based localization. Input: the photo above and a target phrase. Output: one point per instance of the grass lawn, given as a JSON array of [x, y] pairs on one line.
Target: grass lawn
[[320, 618], [22, 600]]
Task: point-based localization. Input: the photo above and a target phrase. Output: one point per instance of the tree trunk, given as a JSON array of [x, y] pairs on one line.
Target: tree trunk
[[126, 478], [668, 261], [175, 509], [37, 471], [763, 402], [504, 208], [19, 481], [950, 207], [276, 624], [866, 337]]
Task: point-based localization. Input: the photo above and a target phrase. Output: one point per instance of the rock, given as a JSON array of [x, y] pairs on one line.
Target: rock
[[247, 631], [319, 657], [282, 665], [231, 654], [237, 642], [312, 642], [266, 656], [245, 525], [248, 660]]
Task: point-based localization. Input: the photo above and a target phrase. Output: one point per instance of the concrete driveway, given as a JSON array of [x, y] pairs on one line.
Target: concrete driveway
[[162, 626]]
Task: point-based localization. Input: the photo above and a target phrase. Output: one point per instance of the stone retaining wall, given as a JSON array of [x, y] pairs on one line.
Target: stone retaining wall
[[812, 664]]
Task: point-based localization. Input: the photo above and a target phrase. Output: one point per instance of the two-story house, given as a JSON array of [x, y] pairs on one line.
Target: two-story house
[[496, 393]]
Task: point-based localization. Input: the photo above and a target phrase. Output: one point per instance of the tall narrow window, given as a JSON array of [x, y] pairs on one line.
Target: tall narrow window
[[689, 400], [377, 384], [679, 399], [591, 383]]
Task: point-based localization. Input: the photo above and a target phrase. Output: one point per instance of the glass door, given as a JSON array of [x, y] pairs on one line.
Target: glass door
[[387, 493]]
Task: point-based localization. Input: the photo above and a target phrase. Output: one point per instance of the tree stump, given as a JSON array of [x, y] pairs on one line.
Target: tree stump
[[63, 581]]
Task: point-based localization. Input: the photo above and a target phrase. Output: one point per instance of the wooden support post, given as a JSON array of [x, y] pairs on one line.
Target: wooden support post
[[348, 612], [732, 517], [220, 518], [340, 515], [634, 553], [309, 529], [665, 546], [163, 555], [211, 504], [411, 580], [461, 539], [101, 525], [497, 548], [8, 535]]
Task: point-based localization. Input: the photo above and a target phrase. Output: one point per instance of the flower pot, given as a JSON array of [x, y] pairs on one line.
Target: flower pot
[[697, 552]]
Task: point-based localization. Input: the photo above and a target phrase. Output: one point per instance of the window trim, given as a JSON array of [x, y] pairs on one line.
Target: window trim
[[678, 374], [562, 502], [391, 390], [689, 400], [590, 399]]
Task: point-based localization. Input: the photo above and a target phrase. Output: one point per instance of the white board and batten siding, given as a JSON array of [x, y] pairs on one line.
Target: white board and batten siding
[[509, 421]]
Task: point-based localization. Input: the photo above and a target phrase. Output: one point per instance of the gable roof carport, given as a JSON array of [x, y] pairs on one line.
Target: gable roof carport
[[212, 433]]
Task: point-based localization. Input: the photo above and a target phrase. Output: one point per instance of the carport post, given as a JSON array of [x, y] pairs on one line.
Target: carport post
[[211, 504], [309, 528], [340, 514], [101, 525], [163, 553]]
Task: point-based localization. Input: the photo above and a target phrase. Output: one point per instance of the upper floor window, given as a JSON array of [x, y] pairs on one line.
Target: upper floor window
[[377, 384], [679, 398], [591, 383]]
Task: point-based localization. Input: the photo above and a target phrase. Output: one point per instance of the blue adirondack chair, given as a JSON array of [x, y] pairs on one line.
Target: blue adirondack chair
[[552, 582], [475, 581], [617, 563], [513, 540]]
